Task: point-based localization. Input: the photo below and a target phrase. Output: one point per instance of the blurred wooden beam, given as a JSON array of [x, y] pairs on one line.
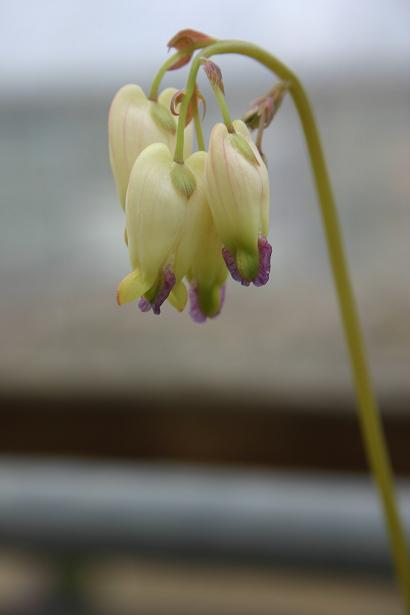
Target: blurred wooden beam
[[195, 428]]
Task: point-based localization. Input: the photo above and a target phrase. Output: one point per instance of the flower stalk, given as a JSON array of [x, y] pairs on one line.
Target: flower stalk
[[369, 415], [198, 128], [154, 278], [172, 60]]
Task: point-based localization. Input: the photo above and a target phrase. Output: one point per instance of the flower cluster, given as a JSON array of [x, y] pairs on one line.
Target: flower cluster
[[193, 221]]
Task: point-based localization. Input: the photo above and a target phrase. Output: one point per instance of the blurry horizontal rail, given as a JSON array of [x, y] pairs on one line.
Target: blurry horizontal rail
[[163, 510], [195, 427]]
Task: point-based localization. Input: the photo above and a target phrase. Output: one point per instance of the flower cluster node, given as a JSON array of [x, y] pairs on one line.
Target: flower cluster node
[[191, 219], [214, 73], [262, 111]]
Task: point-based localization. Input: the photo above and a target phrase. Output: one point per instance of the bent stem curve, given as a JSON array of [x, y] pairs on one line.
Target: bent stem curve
[[153, 93], [369, 416]]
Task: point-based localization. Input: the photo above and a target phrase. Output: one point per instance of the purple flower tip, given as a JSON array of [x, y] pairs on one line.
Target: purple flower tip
[[167, 285], [195, 309], [232, 268], [265, 252], [222, 299], [144, 305]]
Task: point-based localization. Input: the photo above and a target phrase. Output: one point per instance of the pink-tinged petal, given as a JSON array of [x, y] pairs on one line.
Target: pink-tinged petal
[[265, 252]]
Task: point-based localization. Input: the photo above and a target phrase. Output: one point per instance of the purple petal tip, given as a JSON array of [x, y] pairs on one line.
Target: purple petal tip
[[167, 285], [144, 305], [232, 268], [265, 253], [195, 309]]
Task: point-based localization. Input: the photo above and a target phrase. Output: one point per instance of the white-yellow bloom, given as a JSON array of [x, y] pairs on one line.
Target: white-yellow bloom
[[199, 254], [156, 207], [238, 195], [134, 123]]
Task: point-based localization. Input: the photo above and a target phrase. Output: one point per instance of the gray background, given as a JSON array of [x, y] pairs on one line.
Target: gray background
[[61, 248]]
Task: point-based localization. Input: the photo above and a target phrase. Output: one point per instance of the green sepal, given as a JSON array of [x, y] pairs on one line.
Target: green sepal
[[243, 147], [183, 179], [163, 118]]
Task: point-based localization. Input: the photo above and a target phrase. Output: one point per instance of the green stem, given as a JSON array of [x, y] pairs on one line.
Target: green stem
[[369, 417], [188, 51], [183, 112], [153, 93], [198, 128], [220, 99]]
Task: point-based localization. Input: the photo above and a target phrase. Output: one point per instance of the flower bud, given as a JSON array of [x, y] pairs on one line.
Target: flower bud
[[238, 196], [199, 254], [155, 216], [134, 123]]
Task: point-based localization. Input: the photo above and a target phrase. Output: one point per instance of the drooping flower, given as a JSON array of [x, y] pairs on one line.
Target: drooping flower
[[238, 195], [156, 206], [199, 254], [134, 123]]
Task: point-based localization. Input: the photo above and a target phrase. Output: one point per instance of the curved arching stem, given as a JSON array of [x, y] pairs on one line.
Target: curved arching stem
[[369, 416], [153, 93]]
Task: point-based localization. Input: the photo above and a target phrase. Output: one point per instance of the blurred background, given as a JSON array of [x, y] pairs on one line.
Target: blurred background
[[153, 465]]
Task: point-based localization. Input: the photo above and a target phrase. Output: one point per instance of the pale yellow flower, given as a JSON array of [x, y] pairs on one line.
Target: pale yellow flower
[[199, 254], [238, 195], [155, 211], [134, 123]]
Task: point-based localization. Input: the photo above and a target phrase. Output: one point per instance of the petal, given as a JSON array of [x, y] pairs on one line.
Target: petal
[[158, 293], [125, 124], [265, 252], [232, 267], [131, 287], [205, 302], [134, 123], [155, 212], [238, 189], [199, 251], [178, 297]]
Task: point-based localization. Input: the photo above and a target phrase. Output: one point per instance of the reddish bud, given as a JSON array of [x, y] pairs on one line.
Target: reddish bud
[[187, 41], [177, 99], [189, 38], [263, 109], [185, 59], [214, 74]]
